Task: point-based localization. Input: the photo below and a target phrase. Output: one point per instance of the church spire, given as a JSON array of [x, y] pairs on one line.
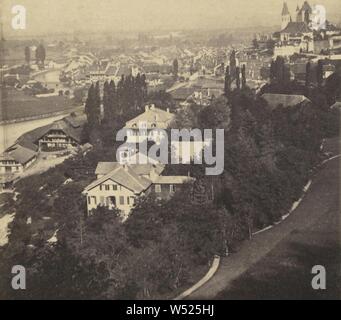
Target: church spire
[[286, 17], [285, 10]]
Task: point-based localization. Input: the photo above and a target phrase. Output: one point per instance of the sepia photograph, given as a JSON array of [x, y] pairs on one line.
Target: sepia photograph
[[170, 154]]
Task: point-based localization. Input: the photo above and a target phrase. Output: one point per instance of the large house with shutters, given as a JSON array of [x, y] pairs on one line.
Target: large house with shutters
[[141, 127], [118, 185]]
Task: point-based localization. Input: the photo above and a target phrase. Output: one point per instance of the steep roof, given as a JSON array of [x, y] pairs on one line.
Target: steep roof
[[70, 125], [18, 153], [286, 100], [126, 175], [285, 10], [182, 93], [152, 115], [141, 169], [296, 28]]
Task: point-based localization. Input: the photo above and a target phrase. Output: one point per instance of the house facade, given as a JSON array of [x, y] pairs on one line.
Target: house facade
[[143, 126], [119, 185], [16, 159]]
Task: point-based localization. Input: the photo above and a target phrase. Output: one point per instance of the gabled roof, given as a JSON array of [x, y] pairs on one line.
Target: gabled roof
[[152, 115], [18, 153], [286, 100], [296, 28], [134, 177], [141, 169], [111, 70], [70, 125], [128, 176], [182, 93]]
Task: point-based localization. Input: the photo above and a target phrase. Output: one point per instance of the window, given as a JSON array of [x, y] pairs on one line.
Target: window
[[143, 124], [128, 202], [107, 187], [94, 199], [132, 200], [113, 201], [89, 200], [121, 200], [100, 187], [157, 188], [114, 187], [171, 188]]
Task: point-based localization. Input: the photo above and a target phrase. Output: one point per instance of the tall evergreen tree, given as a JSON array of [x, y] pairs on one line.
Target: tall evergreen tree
[[40, 54], [272, 72], [144, 88], [97, 109], [106, 101], [227, 86], [238, 78], [89, 106], [243, 76], [175, 68], [233, 65], [113, 100]]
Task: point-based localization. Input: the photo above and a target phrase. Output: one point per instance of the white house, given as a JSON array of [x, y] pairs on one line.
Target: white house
[[140, 127], [118, 185]]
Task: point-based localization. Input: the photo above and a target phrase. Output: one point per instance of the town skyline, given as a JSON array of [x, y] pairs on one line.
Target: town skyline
[[131, 16]]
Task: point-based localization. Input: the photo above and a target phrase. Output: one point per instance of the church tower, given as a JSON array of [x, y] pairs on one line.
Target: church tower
[[286, 18], [298, 14]]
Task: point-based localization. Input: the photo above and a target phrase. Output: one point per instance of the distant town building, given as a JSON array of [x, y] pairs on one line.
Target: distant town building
[[299, 35], [275, 100]]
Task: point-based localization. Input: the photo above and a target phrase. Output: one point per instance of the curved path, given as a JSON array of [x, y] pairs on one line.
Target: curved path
[[276, 264]]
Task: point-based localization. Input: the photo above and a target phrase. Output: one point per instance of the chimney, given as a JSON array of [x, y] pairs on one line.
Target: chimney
[[168, 110], [152, 106], [146, 108]]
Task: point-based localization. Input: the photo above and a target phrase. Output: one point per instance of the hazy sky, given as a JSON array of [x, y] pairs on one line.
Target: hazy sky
[[132, 15]]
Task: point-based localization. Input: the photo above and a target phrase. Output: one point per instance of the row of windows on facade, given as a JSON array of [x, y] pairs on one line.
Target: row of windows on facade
[[106, 187], [4, 162], [110, 200]]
